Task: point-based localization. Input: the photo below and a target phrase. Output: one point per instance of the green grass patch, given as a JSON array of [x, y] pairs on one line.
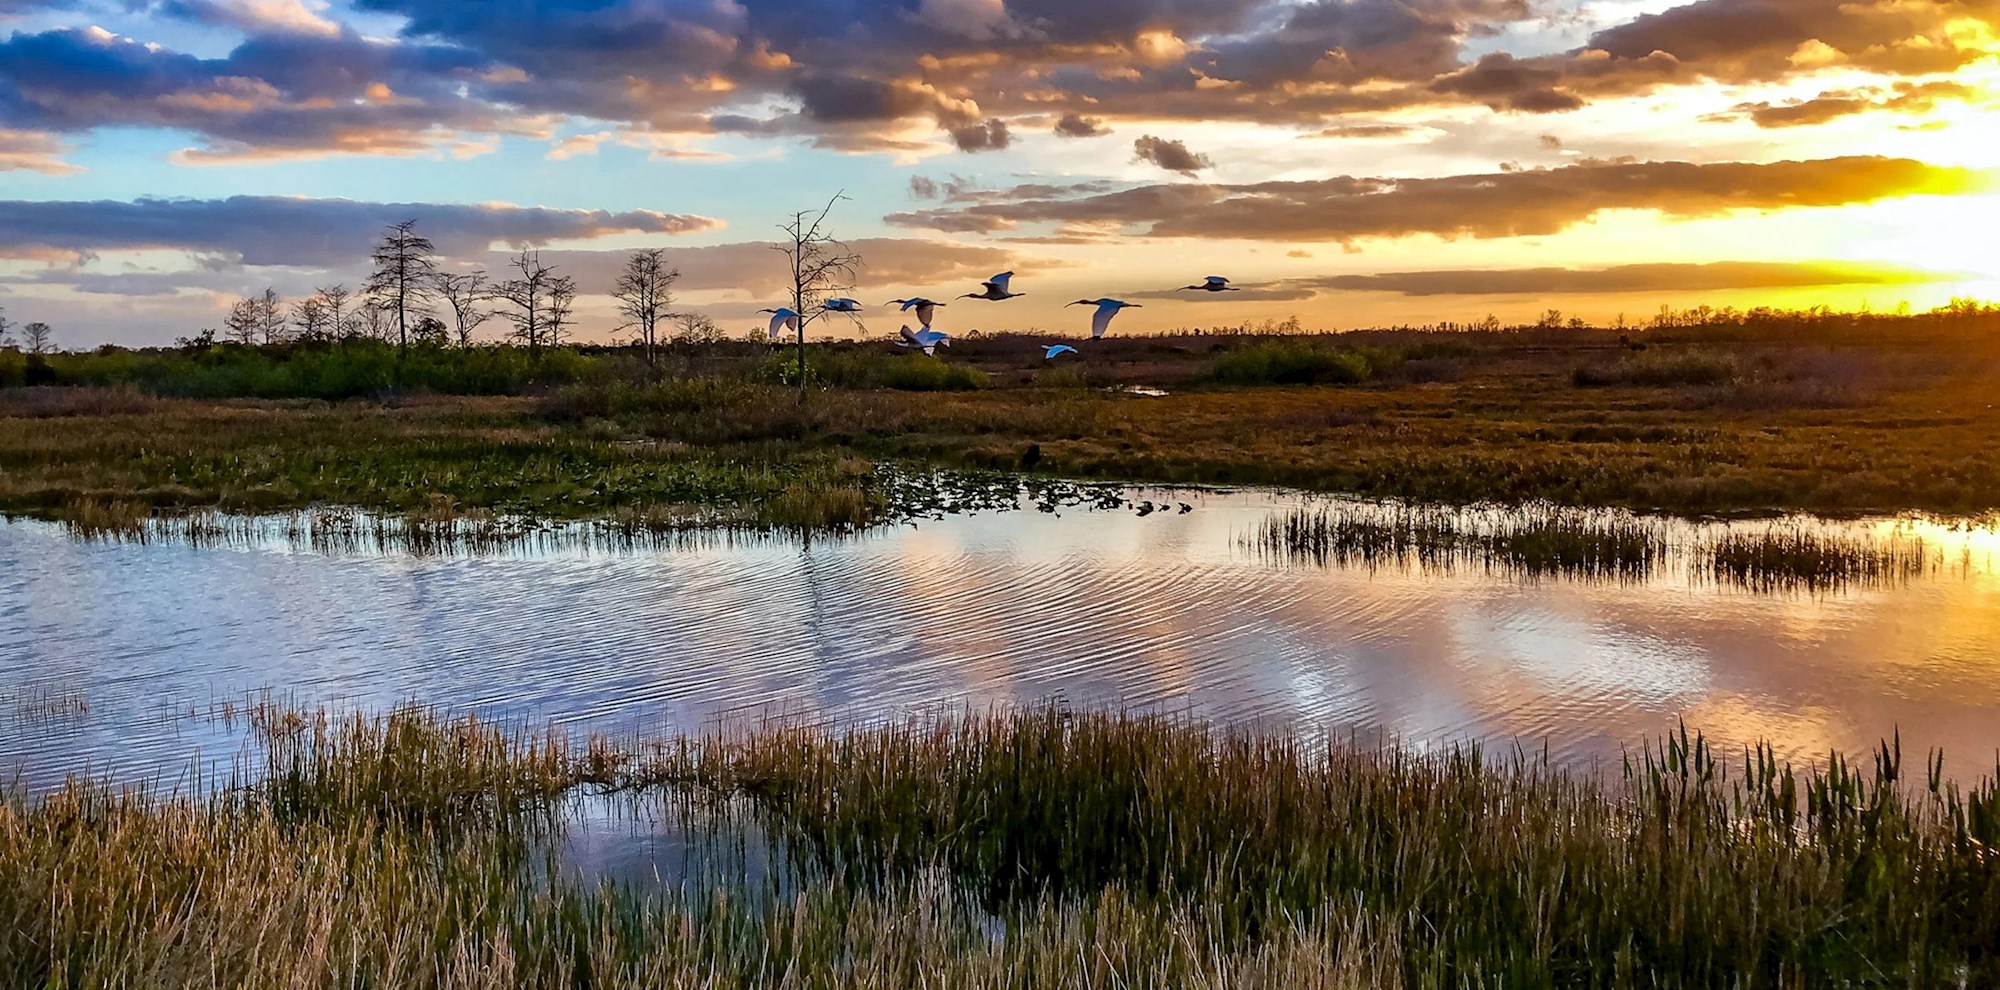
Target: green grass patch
[[1294, 362]]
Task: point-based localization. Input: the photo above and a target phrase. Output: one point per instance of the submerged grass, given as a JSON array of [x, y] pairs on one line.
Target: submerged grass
[[1030, 848], [1582, 543], [1796, 558], [1539, 540]]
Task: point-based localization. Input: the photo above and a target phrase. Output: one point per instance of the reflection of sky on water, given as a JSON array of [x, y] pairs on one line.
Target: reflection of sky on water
[[1096, 608]]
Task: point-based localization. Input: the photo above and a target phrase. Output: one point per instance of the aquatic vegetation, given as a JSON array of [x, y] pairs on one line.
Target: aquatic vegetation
[[1038, 847], [872, 496], [1786, 558], [1536, 541], [1545, 540]]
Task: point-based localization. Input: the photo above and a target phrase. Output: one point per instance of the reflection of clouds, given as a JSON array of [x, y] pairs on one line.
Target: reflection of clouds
[[1564, 654], [1096, 608]]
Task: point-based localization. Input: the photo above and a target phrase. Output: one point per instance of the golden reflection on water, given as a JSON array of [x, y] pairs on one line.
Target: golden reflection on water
[[1098, 608]]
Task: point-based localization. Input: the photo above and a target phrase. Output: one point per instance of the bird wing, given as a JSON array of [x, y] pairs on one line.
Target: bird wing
[[909, 337], [1217, 280], [1102, 321], [925, 310], [785, 321], [1000, 281]]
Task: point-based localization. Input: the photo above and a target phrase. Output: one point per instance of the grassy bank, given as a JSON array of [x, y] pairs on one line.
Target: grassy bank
[[1757, 426], [1036, 848]]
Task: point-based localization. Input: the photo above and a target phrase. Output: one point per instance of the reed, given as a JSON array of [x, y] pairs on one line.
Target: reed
[[1034, 847], [1794, 558], [1540, 540]]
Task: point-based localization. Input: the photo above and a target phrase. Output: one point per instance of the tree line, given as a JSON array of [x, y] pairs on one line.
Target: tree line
[[409, 299]]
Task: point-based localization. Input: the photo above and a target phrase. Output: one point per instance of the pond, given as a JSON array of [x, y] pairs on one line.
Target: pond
[[114, 656]]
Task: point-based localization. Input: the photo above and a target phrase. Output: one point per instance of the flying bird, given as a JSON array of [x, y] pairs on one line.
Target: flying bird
[[784, 319], [1056, 350], [926, 340], [842, 305], [1106, 309], [924, 307], [1214, 283], [996, 289]]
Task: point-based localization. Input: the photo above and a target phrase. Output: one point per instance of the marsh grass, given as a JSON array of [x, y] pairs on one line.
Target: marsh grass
[[45, 704], [1537, 541], [1591, 544], [1036, 847], [846, 498], [1794, 558], [1662, 369]]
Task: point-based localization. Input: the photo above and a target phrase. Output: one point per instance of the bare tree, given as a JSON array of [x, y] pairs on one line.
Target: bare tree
[[644, 292], [6, 329], [530, 297], [372, 320], [821, 266], [431, 332], [339, 321], [405, 268], [310, 317], [467, 295], [694, 328], [245, 319], [37, 337], [271, 317], [562, 306]]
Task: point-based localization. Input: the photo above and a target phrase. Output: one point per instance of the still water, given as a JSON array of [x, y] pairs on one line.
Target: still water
[[111, 654]]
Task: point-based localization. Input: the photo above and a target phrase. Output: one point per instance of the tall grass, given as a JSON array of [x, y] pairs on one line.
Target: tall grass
[[1301, 362], [1535, 541], [1552, 540], [1787, 558], [1025, 848], [1662, 369]]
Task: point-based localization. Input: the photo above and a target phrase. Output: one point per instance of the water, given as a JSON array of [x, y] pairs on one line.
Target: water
[[1095, 608]]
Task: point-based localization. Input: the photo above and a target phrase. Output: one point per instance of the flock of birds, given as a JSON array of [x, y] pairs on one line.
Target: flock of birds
[[999, 288]]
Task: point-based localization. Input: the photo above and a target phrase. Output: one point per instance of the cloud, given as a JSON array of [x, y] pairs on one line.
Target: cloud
[[253, 16], [917, 76], [1681, 278], [268, 230], [1504, 204], [1905, 97], [1076, 125], [275, 95], [1363, 131], [28, 151], [1173, 156], [989, 136], [754, 270]]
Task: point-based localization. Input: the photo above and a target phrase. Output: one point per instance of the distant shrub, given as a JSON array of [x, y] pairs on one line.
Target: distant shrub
[[1661, 369], [855, 368], [346, 370], [922, 373], [1065, 377], [1435, 350], [1300, 363]]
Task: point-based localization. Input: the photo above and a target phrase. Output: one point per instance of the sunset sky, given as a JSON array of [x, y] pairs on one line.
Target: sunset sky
[[1350, 162]]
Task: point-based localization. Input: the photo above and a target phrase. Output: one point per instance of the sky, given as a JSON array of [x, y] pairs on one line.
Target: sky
[[1346, 162]]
